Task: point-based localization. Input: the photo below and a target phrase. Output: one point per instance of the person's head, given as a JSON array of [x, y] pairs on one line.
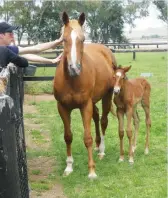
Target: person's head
[[6, 33]]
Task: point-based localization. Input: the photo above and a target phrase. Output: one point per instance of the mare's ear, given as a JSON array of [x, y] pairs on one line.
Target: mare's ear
[[65, 18], [126, 69], [81, 19]]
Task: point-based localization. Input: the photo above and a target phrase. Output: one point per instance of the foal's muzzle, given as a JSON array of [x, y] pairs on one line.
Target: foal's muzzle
[[116, 90]]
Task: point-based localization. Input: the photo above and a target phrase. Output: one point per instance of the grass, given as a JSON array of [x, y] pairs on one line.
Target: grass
[[147, 178]]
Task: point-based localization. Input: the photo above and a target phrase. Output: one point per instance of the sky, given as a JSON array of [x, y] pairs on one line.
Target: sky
[[148, 23]]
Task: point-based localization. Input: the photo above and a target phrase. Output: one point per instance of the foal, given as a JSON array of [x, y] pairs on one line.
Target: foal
[[127, 94]]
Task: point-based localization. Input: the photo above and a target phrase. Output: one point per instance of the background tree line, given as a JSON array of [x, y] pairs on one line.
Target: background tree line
[[41, 20]]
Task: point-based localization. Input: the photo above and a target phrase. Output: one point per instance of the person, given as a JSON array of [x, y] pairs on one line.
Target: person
[[7, 38], [7, 56]]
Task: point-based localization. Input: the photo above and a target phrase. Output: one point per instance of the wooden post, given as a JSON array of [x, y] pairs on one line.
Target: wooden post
[[134, 55], [9, 173], [13, 164]]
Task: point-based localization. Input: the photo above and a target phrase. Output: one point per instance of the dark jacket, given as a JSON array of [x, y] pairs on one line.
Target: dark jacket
[[7, 56]]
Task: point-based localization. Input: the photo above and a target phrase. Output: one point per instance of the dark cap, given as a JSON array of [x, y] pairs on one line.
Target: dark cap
[[5, 27]]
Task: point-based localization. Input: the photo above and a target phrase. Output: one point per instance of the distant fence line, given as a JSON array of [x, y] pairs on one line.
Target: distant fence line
[[49, 78], [127, 45], [58, 51], [124, 45]]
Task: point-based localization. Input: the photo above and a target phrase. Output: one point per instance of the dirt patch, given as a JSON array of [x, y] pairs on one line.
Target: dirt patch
[[33, 98], [43, 165]]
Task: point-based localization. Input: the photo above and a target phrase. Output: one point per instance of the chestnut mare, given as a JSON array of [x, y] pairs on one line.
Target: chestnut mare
[[127, 94], [83, 77]]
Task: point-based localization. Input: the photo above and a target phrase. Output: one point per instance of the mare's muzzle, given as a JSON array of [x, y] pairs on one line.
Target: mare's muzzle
[[74, 70]]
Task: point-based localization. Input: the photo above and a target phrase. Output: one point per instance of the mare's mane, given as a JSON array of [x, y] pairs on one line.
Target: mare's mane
[[74, 24]]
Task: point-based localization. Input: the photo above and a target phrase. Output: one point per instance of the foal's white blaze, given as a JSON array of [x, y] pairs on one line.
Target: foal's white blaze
[[73, 49], [118, 74], [69, 168]]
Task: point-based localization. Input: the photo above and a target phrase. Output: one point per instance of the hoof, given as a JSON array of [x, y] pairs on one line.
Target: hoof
[[121, 159], [92, 175], [101, 155], [67, 172], [131, 161], [96, 149], [146, 151]]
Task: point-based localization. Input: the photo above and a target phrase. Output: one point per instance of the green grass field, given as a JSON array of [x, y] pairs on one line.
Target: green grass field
[[147, 178]]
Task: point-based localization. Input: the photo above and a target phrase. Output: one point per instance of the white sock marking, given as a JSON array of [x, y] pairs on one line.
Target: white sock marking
[[69, 162]]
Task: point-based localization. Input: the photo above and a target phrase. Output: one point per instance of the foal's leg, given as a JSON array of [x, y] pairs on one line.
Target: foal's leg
[[87, 112], [106, 106], [146, 107], [129, 114], [96, 121], [136, 125], [120, 116], [65, 115]]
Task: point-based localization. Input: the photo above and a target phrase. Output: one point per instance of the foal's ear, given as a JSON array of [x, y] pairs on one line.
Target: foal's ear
[[65, 18], [126, 69], [81, 19]]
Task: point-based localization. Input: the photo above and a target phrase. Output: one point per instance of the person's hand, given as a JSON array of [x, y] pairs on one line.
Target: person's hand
[[56, 60], [57, 41], [60, 38]]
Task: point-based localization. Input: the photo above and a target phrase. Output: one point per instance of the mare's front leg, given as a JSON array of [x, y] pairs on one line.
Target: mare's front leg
[[87, 112], [129, 114], [65, 115], [120, 116]]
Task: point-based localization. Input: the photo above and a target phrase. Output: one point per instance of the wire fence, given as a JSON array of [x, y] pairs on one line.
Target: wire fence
[[13, 163]]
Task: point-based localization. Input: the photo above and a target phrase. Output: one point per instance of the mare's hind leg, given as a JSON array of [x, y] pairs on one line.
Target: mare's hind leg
[[65, 115], [146, 107], [106, 106], [87, 113], [96, 121], [136, 126]]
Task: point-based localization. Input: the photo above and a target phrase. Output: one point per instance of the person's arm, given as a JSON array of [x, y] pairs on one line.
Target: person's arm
[[36, 58], [40, 47]]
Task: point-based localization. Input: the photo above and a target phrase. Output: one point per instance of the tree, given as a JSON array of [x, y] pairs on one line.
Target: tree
[[162, 7], [41, 20]]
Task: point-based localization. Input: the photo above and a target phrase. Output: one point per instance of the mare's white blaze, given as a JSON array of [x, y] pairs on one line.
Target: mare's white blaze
[[102, 147], [69, 162], [118, 74], [73, 49]]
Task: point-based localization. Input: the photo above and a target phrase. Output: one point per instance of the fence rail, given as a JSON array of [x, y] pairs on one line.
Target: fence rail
[[135, 44], [58, 51]]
